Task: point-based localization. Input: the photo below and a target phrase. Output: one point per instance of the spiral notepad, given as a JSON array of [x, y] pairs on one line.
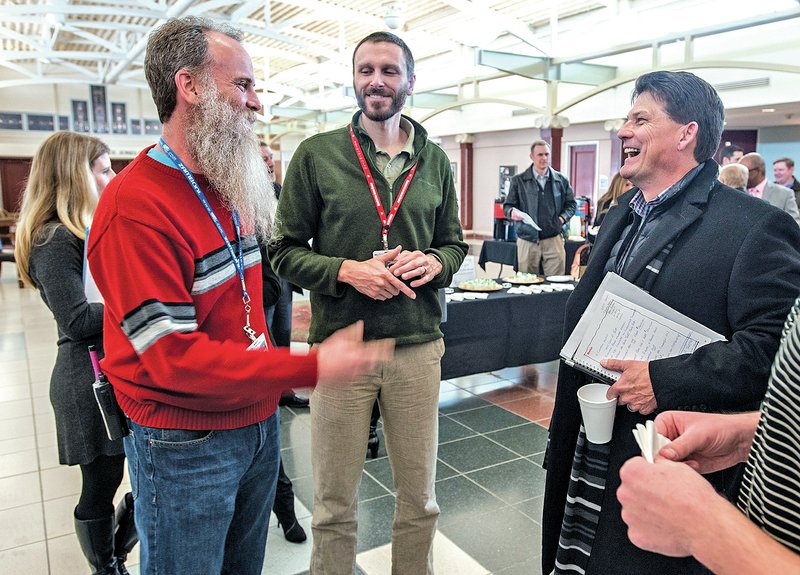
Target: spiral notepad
[[624, 322]]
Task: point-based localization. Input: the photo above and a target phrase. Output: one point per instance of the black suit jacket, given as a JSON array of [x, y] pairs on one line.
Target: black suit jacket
[[734, 267]]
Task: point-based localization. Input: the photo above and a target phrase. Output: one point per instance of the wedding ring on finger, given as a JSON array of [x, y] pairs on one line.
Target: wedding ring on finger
[[631, 409]]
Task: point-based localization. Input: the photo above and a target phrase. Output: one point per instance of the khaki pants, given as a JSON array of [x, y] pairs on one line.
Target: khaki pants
[[549, 251], [340, 414]]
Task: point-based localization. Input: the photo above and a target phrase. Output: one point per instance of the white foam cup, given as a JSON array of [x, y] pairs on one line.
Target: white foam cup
[[597, 411]]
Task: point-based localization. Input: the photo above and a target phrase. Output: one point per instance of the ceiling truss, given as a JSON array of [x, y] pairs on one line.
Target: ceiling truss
[[300, 48]]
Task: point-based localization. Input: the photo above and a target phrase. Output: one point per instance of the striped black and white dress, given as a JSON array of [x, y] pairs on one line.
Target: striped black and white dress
[[770, 493]]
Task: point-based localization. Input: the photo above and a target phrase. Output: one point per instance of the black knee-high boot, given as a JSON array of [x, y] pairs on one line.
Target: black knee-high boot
[[96, 537], [373, 441], [284, 508], [125, 537]]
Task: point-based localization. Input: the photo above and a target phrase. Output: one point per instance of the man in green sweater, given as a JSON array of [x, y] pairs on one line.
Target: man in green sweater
[[378, 203]]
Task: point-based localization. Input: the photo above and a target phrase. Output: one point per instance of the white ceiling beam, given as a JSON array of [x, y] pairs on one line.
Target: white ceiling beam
[[39, 75], [257, 50], [116, 26], [75, 68], [285, 90], [41, 81], [94, 39], [34, 42], [328, 11], [150, 4], [247, 8], [513, 26], [176, 10], [321, 40], [713, 30], [21, 70], [207, 9], [258, 29], [12, 55], [80, 10]]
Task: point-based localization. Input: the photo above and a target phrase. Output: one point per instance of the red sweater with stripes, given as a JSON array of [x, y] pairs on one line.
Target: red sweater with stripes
[[173, 328]]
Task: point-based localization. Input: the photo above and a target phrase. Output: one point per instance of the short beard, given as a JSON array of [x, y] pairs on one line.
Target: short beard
[[226, 150], [398, 101]]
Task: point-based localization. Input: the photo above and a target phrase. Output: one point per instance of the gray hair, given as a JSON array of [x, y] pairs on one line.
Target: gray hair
[[178, 44], [734, 175]]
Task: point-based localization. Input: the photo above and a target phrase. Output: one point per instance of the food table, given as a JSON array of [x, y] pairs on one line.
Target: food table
[[503, 330], [505, 253]]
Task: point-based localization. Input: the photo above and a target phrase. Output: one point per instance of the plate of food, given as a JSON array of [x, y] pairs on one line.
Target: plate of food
[[480, 284], [522, 278], [559, 279]]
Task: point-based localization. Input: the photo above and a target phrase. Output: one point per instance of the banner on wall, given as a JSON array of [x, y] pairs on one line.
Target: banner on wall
[[9, 121], [152, 127], [99, 107], [41, 122], [119, 118], [80, 115]]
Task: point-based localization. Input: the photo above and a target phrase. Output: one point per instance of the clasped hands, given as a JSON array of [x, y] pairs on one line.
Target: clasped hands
[[380, 277]]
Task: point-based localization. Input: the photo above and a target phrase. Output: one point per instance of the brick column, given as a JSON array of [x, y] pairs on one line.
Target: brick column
[[464, 190]]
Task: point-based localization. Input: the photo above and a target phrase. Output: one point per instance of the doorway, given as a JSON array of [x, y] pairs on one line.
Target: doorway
[[583, 169]]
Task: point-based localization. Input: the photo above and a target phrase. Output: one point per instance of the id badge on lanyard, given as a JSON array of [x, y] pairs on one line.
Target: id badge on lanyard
[[386, 221], [257, 342]]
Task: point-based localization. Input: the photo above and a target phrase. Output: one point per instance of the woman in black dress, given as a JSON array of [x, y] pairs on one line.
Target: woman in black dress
[[68, 173]]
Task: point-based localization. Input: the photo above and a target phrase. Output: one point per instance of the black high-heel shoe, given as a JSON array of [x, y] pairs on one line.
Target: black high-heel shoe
[[292, 530]]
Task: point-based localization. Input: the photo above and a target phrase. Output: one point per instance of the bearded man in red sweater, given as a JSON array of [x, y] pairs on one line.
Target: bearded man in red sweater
[[173, 250]]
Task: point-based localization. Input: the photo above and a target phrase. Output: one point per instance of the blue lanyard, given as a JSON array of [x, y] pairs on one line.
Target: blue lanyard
[[238, 262]]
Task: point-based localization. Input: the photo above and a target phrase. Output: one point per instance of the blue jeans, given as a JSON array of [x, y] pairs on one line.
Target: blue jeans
[[203, 498], [279, 316]]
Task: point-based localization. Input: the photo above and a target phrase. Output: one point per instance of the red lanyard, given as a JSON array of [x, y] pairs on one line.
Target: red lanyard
[[386, 223]]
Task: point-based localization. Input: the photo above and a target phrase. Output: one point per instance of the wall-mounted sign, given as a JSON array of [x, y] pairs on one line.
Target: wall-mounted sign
[[99, 110], [152, 127], [119, 118], [41, 123], [80, 115], [10, 121]]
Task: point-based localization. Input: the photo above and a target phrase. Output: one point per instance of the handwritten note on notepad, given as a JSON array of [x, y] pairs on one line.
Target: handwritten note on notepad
[[628, 331], [624, 322]]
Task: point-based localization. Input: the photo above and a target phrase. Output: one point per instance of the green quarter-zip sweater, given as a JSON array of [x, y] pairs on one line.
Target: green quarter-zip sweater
[[325, 200]]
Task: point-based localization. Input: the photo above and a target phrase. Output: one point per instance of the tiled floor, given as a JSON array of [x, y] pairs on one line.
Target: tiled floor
[[489, 476]]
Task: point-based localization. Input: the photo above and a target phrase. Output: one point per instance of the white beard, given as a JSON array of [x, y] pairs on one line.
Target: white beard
[[222, 143]]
